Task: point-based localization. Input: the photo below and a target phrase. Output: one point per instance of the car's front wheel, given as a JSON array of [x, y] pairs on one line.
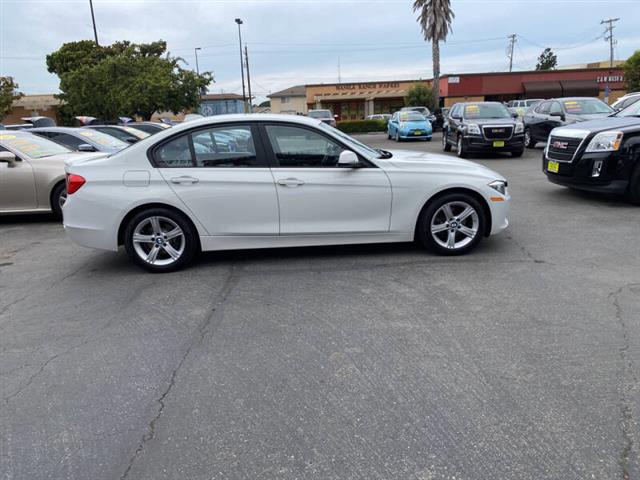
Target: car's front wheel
[[460, 150], [160, 240], [452, 224], [529, 142]]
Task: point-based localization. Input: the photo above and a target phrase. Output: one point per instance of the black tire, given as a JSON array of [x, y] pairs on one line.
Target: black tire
[[445, 145], [388, 135], [427, 139], [58, 197], [529, 141], [517, 153], [425, 237], [460, 150], [633, 190], [190, 235]]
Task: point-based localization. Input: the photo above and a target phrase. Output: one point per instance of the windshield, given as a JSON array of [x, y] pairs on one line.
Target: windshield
[[632, 110], [411, 117], [352, 142], [320, 114], [32, 146], [103, 139], [586, 106], [486, 110]]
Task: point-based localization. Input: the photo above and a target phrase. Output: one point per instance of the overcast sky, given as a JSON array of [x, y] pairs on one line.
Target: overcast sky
[[299, 41]]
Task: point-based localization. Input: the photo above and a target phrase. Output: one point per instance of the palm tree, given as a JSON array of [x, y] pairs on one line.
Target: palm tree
[[435, 19]]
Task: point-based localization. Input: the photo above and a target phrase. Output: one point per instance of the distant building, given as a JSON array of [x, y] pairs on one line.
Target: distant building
[[291, 101], [33, 106], [220, 103]]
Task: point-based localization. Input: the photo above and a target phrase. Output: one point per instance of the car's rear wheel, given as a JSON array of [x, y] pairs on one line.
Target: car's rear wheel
[[633, 190], [58, 198], [529, 142], [453, 224], [160, 240], [460, 150], [445, 145]]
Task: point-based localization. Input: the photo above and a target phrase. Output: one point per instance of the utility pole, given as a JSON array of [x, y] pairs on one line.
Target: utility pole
[[93, 19], [198, 70], [512, 43], [609, 38], [246, 58], [339, 72], [244, 96]]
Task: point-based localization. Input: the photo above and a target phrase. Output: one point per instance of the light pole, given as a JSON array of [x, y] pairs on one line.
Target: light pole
[[244, 96], [93, 19], [198, 71]]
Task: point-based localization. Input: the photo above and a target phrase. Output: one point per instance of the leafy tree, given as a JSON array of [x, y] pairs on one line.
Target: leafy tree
[[632, 72], [547, 60], [8, 94], [435, 20], [123, 79], [419, 95]]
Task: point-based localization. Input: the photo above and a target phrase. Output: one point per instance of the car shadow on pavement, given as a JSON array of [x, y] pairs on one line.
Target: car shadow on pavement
[[28, 218], [564, 194]]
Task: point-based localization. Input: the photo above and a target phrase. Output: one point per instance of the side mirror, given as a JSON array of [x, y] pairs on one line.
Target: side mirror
[[85, 147], [8, 158], [131, 140], [557, 114], [348, 159]]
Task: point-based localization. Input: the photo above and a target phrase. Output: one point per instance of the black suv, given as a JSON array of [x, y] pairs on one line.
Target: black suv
[[482, 127], [601, 155], [557, 112]]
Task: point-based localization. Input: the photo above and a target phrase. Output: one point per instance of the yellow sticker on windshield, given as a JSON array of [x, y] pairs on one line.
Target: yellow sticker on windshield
[[7, 137], [87, 134]]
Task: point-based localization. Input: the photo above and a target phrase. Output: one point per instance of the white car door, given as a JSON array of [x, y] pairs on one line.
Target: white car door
[[221, 177], [318, 197]]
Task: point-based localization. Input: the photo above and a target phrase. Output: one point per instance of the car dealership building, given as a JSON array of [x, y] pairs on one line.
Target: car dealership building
[[354, 101]]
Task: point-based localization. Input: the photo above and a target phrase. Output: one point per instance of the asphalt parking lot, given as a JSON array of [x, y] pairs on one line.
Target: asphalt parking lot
[[519, 361]]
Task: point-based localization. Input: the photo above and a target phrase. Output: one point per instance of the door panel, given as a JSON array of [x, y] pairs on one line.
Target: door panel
[[316, 196], [333, 200], [221, 177], [17, 187]]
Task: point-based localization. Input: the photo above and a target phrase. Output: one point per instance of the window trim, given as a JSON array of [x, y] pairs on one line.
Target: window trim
[[273, 159], [261, 154]]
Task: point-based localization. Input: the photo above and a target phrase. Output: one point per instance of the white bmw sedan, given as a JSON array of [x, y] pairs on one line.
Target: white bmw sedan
[[254, 181]]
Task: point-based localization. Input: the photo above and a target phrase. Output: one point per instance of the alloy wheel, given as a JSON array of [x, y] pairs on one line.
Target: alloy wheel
[[527, 138], [158, 241], [62, 198], [455, 225]]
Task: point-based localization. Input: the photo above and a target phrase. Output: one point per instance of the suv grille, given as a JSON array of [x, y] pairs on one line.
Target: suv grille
[[497, 132], [563, 148]]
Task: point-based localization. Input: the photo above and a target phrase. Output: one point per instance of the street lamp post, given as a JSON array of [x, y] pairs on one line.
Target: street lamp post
[[198, 71], [93, 19], [244, 96]]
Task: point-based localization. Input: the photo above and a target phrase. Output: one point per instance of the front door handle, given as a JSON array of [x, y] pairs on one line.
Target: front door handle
[[290, 182], [184, 180]]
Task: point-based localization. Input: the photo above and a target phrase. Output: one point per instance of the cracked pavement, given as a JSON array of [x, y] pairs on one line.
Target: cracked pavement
[[519, 361]]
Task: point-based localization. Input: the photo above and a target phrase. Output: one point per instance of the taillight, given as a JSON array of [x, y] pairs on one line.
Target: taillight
[[74, 182]]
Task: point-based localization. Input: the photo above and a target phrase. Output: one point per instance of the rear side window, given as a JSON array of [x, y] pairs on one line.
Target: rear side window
[[215, 147]]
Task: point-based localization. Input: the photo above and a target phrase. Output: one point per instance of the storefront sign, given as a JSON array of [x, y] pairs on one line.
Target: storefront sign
[[454, 79], [367, 86], [610, 79]]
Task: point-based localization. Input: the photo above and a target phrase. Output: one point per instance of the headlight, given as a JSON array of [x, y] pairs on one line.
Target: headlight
[[519, 128], [473, 129], [499, 186], [605, 142]]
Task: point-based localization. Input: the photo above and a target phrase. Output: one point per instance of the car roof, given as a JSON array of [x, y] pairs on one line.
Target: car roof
[[55, 129], [246, 117], [20, 133]]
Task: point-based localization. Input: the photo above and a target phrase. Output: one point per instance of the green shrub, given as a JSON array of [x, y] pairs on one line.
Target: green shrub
[[362, 126]]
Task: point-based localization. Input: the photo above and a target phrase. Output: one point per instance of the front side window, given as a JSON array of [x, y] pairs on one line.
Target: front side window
[[543, 108], [300, 147], [67, 140], [555, 108]]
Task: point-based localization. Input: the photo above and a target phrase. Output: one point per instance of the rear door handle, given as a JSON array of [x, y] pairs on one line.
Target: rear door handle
[[290, 182], [184, 180]]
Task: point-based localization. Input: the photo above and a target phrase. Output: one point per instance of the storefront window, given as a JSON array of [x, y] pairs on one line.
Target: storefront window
[[388, 105]]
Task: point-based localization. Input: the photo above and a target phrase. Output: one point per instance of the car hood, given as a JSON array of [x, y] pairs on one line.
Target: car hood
[[420, 161], [606, 123]]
